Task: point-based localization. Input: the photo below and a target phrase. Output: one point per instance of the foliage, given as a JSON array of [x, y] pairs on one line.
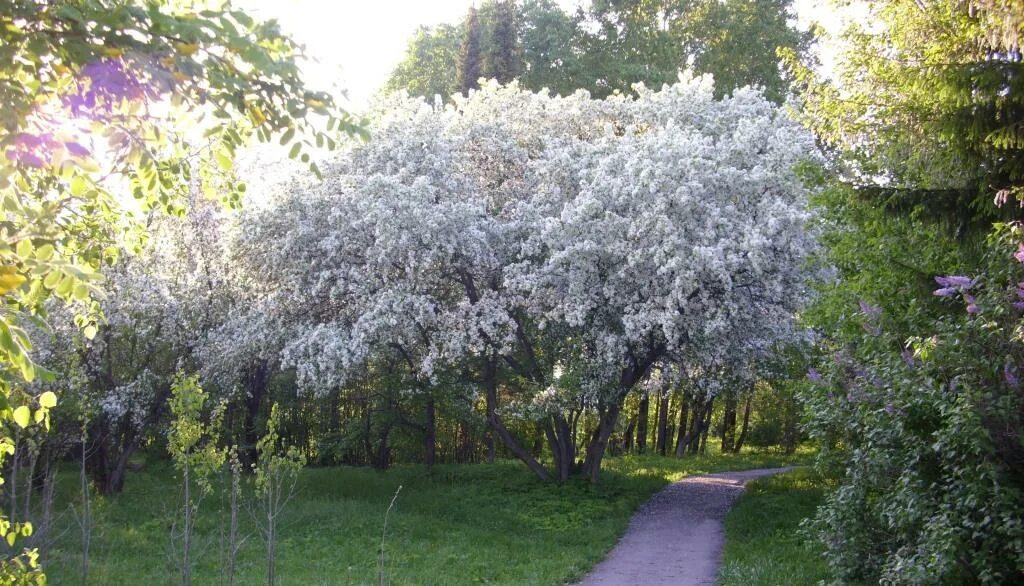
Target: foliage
[[430, 63], [469, 53], [609, 46], [927, 433], [925, 109], [103, 99], [763, 542], [196, 455], [915, 401], [276, 473]]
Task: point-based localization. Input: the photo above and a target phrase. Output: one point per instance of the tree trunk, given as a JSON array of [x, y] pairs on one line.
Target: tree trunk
[[464, 453], [382, 460], [696, 427], [641, 424], [430, 434], [707, 426], [729, 424], [681, 439], [490, 378], [663, 424], [746, 425], [595, 450], [255, 392], [562, 444]]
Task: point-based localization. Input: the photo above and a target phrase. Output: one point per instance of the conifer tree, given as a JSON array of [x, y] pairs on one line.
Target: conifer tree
[[501, 59], [469, 61]]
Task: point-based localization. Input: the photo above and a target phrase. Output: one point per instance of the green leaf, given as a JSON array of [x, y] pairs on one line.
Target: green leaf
[[295, 150], [287, 136], [22, 416], [44, 252], [48, 400], [10, 280], [78, 185], [52, 279], [24, 248], [224, 161]]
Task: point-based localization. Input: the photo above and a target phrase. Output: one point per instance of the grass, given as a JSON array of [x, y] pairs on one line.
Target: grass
[[468, 524], [763, 543]]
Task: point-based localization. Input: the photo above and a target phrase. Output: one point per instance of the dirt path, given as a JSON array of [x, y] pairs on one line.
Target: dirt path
[[676, 538]]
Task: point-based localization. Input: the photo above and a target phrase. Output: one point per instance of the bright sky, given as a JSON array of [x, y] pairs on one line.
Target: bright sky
[[359, 42]]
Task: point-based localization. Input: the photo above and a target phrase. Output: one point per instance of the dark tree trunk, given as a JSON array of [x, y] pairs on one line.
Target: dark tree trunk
[[609, 415], [599, 441], [464, 453], [430, 434], [696, 427], [729, 424], [707, 426], [256, 390], [382, 459], [681, 439], [490, 379], [746, 425], [641, 424], [562, 444], [663, 424]]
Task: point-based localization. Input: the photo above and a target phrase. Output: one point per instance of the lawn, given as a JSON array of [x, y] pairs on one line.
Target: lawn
[[455, 524], [764, 545]]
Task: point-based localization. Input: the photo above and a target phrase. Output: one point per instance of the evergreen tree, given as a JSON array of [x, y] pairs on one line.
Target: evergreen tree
[[501, 60], [927, 115], [469, 59]]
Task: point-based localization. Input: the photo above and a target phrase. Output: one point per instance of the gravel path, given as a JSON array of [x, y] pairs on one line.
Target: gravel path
[[676, 537]]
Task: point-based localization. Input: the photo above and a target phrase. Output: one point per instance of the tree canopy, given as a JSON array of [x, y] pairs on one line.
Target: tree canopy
[[611, 45]]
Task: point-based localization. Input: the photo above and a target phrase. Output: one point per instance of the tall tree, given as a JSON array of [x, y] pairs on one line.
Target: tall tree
[[470, 68], [548, 42], [500, 54], [927, 113], [614, 44], [431, 63], [737, 41]]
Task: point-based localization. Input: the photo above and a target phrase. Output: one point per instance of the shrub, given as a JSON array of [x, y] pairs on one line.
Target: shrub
[[924, 436]]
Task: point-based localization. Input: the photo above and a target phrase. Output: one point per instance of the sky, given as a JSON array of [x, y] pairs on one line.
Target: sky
[[357, 43]]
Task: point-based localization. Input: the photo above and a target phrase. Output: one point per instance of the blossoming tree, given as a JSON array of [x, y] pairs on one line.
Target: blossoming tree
[[516, 238]]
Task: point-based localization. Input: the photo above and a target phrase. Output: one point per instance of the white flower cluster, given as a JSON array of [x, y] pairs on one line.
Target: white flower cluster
[[668, 227]]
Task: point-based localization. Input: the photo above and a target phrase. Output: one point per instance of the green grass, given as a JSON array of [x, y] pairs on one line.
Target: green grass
[[763, 543], [468, 524]]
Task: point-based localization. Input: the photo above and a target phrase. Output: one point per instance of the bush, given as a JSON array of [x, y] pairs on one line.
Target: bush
[[764, 434], [924, 437]]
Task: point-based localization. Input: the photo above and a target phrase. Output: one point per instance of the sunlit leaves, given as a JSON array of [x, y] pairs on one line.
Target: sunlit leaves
[[112, 110]]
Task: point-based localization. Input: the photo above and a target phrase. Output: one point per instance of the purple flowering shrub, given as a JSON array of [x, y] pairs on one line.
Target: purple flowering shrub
[[923, 436]]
